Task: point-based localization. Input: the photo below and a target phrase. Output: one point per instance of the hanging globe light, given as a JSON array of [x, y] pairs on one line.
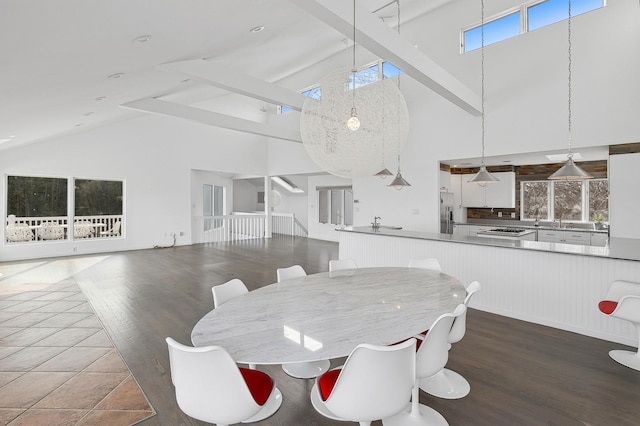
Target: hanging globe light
[[347, 150]]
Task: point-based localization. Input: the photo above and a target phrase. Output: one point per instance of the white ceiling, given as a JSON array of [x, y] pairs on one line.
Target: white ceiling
[[56, 56]]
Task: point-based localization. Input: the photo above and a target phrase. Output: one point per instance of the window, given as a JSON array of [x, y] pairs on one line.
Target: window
[[573, 201], [551, 11], [368, 75], [213, 205], [528, 17], [39, 209], [335, 205], [536, 195], [494, 31]]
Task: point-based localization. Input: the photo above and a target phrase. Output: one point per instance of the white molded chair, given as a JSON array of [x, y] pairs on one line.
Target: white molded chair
[[429, 263], [375, 382], [210, 386], [338, 265], [447, 383], [431, 357], [224, 292], [623, 301], [301, 370], [295, 271]]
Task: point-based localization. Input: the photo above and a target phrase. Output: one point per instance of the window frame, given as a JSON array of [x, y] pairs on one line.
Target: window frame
[[328, 213], [585, 204], [523, 9]]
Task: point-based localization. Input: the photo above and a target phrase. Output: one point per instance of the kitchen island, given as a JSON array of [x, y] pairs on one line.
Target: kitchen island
[[552, 284]]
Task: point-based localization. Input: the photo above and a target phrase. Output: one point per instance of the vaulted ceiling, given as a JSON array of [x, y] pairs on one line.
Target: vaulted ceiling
[[72, 65]]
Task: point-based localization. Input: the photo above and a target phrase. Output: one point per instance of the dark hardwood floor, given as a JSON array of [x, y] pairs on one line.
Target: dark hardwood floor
[[520, 373]]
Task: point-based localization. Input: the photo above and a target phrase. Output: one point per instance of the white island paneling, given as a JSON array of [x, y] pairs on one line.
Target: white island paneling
[[560, 290]]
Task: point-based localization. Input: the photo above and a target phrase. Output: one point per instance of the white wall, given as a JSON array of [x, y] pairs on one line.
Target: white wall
[[526, 110], [526, 101], [154, 156], [245, 196]]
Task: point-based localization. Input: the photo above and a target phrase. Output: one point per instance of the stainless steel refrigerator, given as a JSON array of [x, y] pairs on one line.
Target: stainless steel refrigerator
[[446, 212]]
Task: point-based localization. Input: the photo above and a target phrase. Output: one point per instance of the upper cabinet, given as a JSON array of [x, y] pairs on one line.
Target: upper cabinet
[[498, 194]]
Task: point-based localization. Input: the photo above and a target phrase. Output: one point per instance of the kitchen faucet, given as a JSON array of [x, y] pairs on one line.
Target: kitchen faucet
[[375, 225]]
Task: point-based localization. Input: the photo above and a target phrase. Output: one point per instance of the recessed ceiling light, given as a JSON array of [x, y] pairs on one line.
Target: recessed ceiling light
[[563, 157], [79, 124], [186, 80], [116, 75], [101, 98], [142, 38], [257, 29], [465, 164], [506, 161], [87, 114]]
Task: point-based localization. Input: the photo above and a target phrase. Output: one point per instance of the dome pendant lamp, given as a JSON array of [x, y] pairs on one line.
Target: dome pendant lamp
[[483, 177], [569, 171]]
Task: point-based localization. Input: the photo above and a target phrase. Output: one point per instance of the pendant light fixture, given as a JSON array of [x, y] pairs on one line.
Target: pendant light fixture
[[398, 182], [382, 174], [483, 177], [353, 122], [569, 171]]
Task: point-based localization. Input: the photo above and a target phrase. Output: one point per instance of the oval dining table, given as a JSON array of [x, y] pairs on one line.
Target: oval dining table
[[326, 315]]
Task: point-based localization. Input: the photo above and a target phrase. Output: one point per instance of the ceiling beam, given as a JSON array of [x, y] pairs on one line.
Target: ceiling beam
[[384, 42], [236, 82], [211, 118]]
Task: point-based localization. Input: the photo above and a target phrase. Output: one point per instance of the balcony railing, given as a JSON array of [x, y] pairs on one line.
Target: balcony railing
[[56, 228], [245, 226]]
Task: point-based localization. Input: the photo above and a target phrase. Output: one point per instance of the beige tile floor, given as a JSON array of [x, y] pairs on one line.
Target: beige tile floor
[[57, 364]]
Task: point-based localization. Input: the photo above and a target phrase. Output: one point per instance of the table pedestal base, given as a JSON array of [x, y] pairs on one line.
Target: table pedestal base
[[306, 370]]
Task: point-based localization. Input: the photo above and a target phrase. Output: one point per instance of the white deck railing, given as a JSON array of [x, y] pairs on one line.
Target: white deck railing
[[245, 226], [56, 228], [287, 224], [233, 227]]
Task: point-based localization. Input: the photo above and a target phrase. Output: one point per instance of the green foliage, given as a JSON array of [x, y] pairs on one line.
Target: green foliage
[[29, 196]]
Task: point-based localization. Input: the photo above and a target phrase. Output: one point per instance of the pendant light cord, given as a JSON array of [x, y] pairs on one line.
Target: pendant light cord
[[570, 154], [482, 73], [353, 68]]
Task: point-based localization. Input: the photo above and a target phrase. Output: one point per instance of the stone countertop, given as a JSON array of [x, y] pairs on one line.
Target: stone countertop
[[619, 248], [505, 224]]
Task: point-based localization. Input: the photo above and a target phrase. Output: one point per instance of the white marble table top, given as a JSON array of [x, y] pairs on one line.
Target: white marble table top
[[324, 316]]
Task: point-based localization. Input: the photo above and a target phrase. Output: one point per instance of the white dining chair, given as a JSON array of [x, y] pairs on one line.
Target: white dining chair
[[295, 271], [375, 382], [301, 370], [623, 302], [224, 292], [446, 383], [210, 386], [428, 263], [431, 357], [341, 264]]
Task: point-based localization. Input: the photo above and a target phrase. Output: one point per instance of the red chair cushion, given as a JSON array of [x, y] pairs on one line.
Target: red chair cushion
[[327, 381], [260, 384], [607, 306]]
